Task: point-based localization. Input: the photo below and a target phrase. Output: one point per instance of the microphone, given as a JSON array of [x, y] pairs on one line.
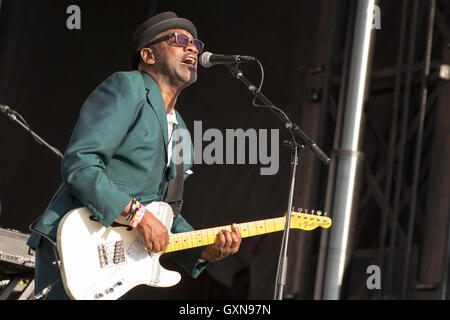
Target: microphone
[[208, 59], [4, 108], [8, 111]]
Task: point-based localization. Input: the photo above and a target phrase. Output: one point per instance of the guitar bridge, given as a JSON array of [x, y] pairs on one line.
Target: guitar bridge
[[111, 254]]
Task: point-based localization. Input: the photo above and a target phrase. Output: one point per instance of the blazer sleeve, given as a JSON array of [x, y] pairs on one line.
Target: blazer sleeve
[[103, 123]]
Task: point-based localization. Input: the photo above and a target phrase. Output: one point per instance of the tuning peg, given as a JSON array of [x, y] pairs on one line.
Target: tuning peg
[[300, 210], [319, 213]]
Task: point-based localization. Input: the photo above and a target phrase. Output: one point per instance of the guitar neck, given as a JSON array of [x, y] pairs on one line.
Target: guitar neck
[[204, 237]]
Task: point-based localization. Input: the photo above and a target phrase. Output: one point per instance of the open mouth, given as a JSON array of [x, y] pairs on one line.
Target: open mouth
[[189, 61]]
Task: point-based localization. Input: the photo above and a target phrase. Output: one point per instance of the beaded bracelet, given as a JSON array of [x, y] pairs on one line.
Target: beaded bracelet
[[138, 215]]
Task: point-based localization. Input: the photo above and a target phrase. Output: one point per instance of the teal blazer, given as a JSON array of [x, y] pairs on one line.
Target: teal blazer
[[118, 151]]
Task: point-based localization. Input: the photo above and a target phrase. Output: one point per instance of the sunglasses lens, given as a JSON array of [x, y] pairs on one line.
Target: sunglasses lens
[[182, 40], [199, 45]]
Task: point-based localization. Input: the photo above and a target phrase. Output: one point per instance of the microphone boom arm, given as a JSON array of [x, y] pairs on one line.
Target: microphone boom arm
[[14, 116], [293, 127]]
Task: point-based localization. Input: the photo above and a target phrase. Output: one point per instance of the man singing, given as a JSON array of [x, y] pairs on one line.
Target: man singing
[[120, 153]]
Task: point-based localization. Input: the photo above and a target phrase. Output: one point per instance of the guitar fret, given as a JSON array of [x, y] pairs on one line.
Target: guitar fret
[[205, 237], [261, 227], [174, 243], [214, 232], [211, 236], [252, 229], [279, 223], [183, 242], [198, 238], [270, 226], [243, 228], [191, 240]]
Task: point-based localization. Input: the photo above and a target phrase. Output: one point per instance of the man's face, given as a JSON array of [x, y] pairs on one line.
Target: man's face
[[178, 63]]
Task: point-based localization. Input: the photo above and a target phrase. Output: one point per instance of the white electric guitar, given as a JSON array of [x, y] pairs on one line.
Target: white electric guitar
[[100, 263]]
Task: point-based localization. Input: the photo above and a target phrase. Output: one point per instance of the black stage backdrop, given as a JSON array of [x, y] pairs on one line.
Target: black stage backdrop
[[47, 71]]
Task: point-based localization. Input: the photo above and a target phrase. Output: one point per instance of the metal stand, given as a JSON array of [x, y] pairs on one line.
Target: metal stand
[[294, 131], [283, 259]]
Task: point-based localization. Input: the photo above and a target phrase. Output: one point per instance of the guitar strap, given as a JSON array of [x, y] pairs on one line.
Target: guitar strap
[[176, 185]]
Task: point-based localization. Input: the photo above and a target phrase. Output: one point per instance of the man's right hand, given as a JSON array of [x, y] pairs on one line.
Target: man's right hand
[[153, 232]]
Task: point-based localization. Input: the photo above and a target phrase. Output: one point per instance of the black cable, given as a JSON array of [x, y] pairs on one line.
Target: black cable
[[260, 85], [273, 108]]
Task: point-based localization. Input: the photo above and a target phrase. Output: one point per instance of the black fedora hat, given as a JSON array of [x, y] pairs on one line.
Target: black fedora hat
[[159, 23]]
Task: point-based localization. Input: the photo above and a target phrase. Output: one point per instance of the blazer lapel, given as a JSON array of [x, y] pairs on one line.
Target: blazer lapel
[[156, 101]]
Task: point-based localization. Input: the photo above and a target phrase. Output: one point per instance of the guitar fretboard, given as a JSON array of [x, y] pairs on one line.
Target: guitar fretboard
[[199, 238]]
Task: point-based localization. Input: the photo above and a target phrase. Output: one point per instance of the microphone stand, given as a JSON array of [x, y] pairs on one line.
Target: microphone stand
[[15, 116], [294, 131]]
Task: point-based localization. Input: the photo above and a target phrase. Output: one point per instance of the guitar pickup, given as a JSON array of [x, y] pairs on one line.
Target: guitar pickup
[[111, 254]]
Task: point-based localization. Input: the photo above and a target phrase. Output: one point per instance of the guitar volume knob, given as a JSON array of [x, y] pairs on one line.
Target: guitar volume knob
[[98, 296], [109, 290]]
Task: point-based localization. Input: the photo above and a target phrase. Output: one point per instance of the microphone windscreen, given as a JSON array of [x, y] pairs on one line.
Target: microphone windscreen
[[204, 59]]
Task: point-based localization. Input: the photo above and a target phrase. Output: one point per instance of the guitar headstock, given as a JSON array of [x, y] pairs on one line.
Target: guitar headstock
[[310, 221]]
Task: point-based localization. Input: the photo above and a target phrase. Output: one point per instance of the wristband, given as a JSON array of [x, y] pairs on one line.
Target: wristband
[[133, 209], [138, 215]]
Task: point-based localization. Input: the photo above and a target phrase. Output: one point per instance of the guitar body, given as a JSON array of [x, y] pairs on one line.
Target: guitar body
[[100, 263]]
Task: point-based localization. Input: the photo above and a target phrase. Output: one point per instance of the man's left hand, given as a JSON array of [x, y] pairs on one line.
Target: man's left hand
[[227, 244]]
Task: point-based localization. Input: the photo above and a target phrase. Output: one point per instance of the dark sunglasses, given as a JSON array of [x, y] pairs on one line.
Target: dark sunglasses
[[181, 40]]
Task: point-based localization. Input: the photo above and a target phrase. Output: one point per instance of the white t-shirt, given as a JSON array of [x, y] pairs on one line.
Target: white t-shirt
[[171, 121]]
